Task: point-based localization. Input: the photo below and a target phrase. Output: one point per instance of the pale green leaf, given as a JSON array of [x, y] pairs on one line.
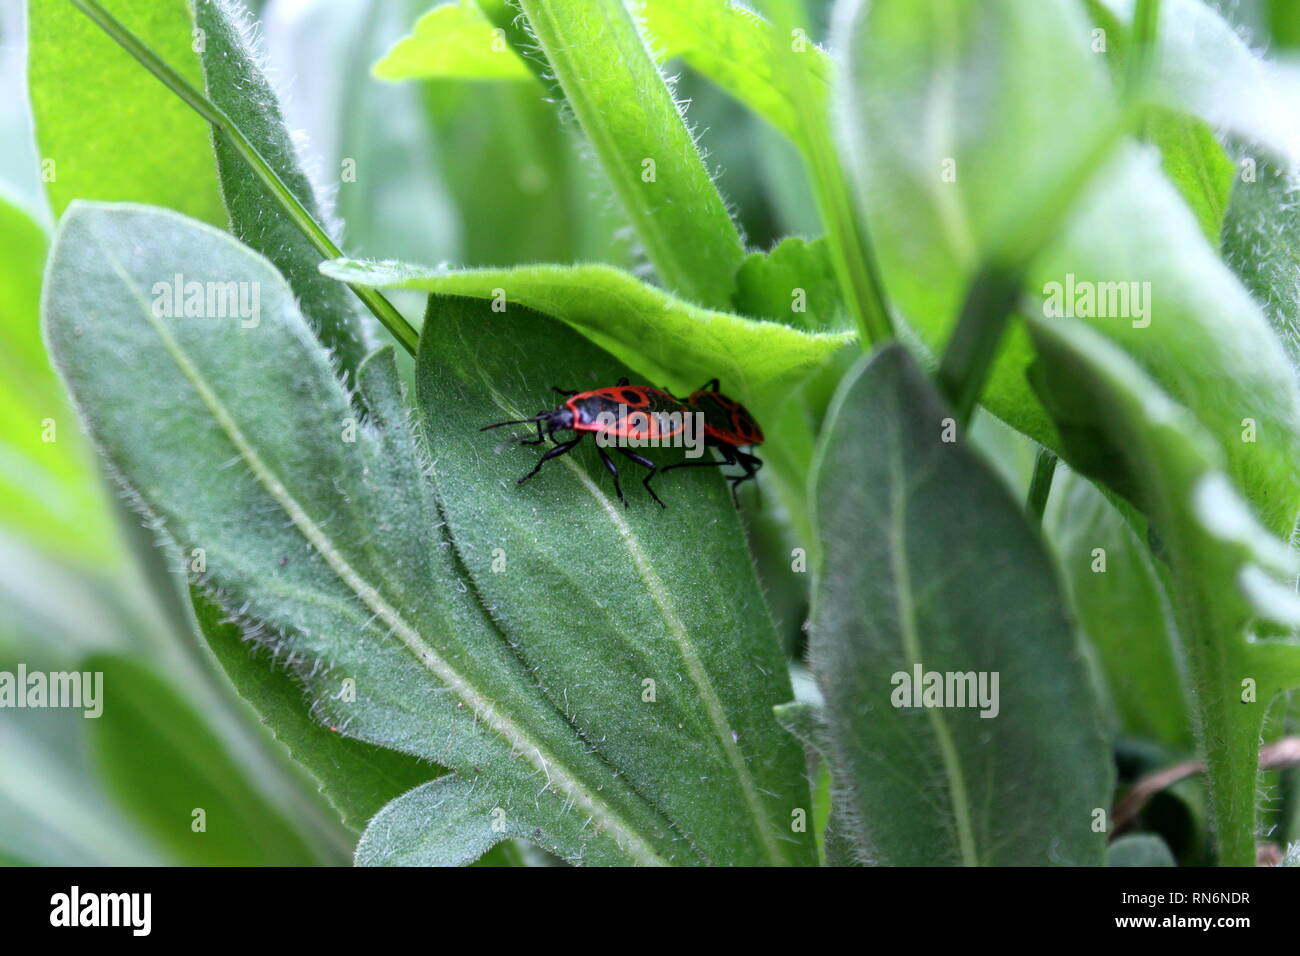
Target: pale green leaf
[[1139, 849], [724, 41], [453, 41], [319, 532], [667, 340], [52, 495]]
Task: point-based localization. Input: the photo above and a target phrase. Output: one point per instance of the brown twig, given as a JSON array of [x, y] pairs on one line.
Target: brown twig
[[1280, 755]]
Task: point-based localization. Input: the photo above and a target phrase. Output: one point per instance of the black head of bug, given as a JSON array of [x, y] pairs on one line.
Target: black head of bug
[[552, 420]]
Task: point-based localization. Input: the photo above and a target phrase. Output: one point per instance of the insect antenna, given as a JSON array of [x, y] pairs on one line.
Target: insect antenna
[[517, 421]]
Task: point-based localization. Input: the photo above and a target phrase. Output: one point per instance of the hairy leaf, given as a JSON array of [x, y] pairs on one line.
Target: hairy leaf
[[671, 671], [667, 340], [1261, 244], [318, 531], [627, 111], [1223, 567], [733, 46], [358, 778], [237, 83], [928, 566]]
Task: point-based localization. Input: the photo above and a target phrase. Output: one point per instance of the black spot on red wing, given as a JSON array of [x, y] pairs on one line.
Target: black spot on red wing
[[632, 397]]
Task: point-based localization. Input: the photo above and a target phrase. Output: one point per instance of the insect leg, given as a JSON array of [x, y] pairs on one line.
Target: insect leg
[[751, 464], [653, 469], [613, 470], [532, 441], [552, 453]]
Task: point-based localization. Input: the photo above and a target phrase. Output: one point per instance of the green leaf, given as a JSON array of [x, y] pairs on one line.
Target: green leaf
[[1139, 849], [646, 626], [111, 129], [1207, 343], [1116, 593], [319, 532], [667, 340], [732, 46], [794, 283], [237, 84], [356, 777], [1224, 569], [1190, 153], [627, 111], [948, 93], [1261, 244], [167, 769], [450, 821], [453, 41], [1205, 68], [53, 495], [1195, 163], [928, 564], [724, 41]]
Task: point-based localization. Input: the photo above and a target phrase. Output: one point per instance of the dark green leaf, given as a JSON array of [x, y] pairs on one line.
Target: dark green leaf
[[928, 566], [646, 627], [1140, 849]]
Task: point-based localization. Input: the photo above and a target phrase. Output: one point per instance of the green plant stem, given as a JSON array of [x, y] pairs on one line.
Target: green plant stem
[[994, 291], [852, 255], [1142, 63], [1040, 486], [383, 310], [973, 346]]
